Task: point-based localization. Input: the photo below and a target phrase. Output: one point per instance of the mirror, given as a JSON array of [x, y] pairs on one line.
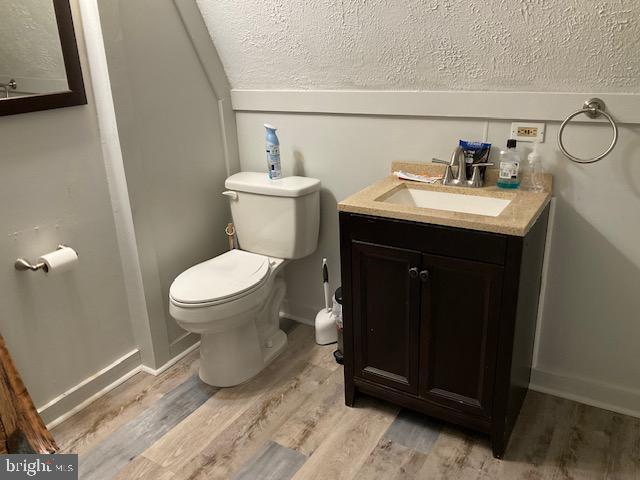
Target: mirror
[[39, 62]]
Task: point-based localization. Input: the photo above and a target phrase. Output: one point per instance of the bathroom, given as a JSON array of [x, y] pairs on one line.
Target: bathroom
[[129, 116]]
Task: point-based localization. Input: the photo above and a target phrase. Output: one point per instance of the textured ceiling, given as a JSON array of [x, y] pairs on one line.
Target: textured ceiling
[[520, 45]]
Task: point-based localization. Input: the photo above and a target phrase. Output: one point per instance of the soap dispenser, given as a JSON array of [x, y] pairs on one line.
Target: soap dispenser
[[532, 174]]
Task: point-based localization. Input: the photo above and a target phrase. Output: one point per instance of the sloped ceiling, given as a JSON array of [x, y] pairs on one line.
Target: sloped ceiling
[[504, 45]]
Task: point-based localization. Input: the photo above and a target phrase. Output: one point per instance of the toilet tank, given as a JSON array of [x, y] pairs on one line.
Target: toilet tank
[[277, 218]]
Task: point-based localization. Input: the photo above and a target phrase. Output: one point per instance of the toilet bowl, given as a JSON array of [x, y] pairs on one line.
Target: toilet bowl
[[233, 300]]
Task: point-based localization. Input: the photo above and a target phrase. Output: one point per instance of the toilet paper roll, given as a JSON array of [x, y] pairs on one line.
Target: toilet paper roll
[[60, 261]]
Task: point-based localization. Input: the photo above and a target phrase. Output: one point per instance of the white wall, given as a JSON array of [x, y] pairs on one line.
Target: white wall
[[30, 46], [53, 189], [171, 135], [428, 44], [590, 327]]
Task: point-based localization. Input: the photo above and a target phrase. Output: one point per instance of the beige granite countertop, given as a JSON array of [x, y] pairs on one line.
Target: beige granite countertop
[[516, 219]]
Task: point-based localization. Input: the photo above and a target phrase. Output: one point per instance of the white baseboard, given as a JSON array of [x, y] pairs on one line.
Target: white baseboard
[[300, 313], [170, 363], [590, 392], [89, 390], [99, 384], [297, 318]]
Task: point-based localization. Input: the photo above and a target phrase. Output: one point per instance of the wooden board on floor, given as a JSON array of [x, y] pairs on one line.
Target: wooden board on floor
[[23, 429]]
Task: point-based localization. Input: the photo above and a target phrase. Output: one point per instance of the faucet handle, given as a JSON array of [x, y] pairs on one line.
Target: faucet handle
[[437, 160], [448, 174], [458, 158], [474, 165], [476, 179], [447, 179]]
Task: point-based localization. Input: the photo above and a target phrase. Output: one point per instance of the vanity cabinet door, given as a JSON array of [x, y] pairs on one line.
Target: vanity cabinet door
[[459, 329], [385, 289]]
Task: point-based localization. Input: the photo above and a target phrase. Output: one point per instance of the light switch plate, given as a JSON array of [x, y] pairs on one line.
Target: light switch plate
[[527, 131]]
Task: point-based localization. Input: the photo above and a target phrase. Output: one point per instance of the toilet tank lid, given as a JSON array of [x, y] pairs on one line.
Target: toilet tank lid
[[257, 182]]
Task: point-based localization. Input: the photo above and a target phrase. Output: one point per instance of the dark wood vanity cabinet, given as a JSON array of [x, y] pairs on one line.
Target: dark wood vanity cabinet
[[460, 304], [439, 319], [386, 315]]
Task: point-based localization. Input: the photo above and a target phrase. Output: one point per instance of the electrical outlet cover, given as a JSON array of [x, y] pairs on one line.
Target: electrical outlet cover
[[527, 131]]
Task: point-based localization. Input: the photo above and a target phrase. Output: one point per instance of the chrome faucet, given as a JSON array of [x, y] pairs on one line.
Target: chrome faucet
[[11, 85], [459, 162]]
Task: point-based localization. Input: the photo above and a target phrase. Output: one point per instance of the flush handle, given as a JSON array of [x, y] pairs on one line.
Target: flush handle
[[231, 194]]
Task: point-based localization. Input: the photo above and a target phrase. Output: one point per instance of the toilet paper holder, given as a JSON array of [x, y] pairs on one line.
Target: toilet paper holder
[[23, 265]]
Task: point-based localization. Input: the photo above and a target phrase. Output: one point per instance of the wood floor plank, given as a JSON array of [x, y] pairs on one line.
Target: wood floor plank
[[112, 454], [347, 447], [541, 432], [457, 455], [94, 423], [273, 462], [322, 356], [316, 418], [528, 454], [548, 455], [391, 461], [624, 449], [225, 454], [184, 442], [141, 468], [179, 446], [414, 430], [585, 450]]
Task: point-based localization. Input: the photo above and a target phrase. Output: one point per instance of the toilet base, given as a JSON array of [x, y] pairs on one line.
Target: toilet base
[[277, 345], [238, 344], [231, 358]]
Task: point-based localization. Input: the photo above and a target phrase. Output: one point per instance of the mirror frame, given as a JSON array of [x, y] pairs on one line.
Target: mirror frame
[[76, 94]]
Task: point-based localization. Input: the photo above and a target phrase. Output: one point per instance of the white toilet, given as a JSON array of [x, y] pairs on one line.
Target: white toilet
[[233, 300]]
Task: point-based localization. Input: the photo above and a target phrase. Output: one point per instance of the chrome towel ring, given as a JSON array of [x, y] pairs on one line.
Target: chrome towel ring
[[593, 108]]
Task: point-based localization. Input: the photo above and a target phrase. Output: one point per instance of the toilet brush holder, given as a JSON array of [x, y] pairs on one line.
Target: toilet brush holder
[[326, 332]]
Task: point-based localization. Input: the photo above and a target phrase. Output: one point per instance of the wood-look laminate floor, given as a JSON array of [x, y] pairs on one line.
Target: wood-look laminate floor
[[290, 422]]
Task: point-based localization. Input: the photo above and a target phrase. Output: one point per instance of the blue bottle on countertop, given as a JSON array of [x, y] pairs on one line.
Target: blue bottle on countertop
[[273, 152]]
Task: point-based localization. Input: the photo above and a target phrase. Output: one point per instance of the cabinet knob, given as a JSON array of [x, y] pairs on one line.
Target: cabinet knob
[[413, 272], [424, 275]]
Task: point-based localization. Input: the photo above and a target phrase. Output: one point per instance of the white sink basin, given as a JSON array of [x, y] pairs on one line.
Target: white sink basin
[[452, 202]]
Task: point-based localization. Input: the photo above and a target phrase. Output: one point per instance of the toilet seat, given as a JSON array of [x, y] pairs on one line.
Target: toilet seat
[[225, 278]]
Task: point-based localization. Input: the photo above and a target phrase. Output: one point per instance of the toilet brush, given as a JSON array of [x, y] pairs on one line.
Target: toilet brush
[[326, 332], [325, 285]]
